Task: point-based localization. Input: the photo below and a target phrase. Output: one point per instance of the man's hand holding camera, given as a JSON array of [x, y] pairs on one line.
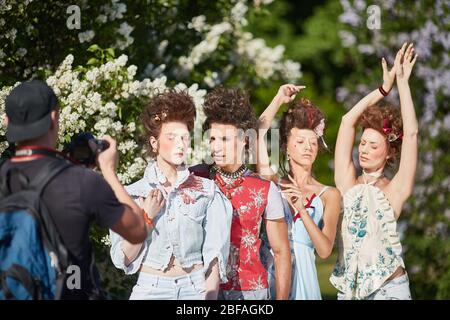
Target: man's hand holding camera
[[108, 159]]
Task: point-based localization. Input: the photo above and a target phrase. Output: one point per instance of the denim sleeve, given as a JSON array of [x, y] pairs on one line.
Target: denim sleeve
[[118, 257], [217, 226]]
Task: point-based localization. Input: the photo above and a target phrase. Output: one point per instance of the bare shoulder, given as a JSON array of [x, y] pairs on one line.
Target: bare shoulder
[[331, 194], [332, 197]]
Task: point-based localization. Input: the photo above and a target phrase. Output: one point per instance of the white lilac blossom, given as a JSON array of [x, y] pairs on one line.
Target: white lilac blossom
[[205, 47], [238, 13], [86, 106], [124, 30], [258, 3], [86, 36], [265, 61], [198, 23], [115, 11]]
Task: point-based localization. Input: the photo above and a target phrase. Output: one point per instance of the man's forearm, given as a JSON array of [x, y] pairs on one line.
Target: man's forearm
[[119, 190], [283, 270]]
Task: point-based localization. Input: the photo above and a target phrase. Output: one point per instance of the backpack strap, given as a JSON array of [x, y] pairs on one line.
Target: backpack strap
[[52, 239], [50, 170], [22, 275], [5, 185]]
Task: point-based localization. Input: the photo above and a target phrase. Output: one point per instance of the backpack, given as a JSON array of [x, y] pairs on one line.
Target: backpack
[[33, 257]]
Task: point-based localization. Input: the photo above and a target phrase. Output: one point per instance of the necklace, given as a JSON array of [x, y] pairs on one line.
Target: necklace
[[230, 175], [235, 177]]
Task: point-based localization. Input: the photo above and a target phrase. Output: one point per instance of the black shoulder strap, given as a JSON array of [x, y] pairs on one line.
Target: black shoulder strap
[[50, 170], [2, 161], [4, 190], [39, 182]]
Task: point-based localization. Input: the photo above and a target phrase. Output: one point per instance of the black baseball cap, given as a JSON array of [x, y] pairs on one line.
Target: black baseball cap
[[28, 108]]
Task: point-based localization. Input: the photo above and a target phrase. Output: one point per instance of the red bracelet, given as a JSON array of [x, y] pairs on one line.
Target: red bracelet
[[148, 220], [382, 91]]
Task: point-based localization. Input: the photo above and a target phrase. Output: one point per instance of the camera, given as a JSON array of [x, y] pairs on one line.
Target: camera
[[84, 147]]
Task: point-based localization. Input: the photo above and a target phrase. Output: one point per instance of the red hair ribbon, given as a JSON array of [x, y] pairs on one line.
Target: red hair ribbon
[[389, 132], [386, 128]]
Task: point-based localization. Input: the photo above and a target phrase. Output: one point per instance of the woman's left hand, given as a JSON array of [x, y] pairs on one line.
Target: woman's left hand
[[404, 69], [291, 192]]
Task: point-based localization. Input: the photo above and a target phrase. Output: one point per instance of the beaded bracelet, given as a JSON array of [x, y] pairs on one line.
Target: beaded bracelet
[[382, 91]]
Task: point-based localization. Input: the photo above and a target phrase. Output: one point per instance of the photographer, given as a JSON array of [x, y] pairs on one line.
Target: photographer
[[77, 195]]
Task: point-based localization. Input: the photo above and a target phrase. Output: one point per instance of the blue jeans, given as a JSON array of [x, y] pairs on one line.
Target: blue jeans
[[187, 287]]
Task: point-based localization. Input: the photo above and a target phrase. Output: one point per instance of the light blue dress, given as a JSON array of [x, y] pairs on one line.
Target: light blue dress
[[305, 284]]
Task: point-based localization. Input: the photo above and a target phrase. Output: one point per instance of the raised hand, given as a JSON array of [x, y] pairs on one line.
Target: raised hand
[[287, 92], [388, 75], [108, 159], [406, 63], [153, 203], [291, 192]]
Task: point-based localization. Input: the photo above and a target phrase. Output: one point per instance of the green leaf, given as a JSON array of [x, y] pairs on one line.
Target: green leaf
[[92, 61], [110, 52], [93, 48]]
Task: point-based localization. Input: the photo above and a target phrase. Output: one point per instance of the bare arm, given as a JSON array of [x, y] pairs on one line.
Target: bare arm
[[344, 168], [212, 281], [131, 226], [403, 181], [277, 234], [345, 172], [323, 240], [286, 93]]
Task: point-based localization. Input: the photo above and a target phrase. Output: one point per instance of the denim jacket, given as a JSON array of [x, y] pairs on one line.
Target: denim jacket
[[194, 225]]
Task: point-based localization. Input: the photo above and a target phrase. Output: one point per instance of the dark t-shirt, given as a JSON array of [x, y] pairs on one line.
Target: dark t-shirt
[[75, 198]]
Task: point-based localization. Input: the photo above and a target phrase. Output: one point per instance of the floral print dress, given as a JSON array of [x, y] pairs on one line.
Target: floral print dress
[[369, 245]]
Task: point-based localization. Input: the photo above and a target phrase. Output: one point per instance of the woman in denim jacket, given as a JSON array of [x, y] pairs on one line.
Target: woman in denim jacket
[[186, 251]]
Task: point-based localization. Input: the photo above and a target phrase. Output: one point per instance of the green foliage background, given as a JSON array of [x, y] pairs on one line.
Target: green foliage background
[[310, 32]]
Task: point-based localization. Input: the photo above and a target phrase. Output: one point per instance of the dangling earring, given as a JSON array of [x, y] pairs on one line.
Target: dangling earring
[[287, 157]]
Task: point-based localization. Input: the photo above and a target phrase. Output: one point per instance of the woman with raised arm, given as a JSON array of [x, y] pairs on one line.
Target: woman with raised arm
[[311, 208], [370, 264]]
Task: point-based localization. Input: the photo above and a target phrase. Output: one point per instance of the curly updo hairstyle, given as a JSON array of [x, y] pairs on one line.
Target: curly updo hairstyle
[[167, 106], [301, 114], [379, 117], [229, 106]]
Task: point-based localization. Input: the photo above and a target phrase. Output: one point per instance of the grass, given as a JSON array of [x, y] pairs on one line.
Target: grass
[[324, 269]]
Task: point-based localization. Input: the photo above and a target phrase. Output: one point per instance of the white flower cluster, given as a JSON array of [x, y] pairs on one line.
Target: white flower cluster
[[266, 61], [89, 102], [126, 40], [205, 47], [106, 241], [113, 12], [258, 3], [198, 23], [3, 93], [86, 36]]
